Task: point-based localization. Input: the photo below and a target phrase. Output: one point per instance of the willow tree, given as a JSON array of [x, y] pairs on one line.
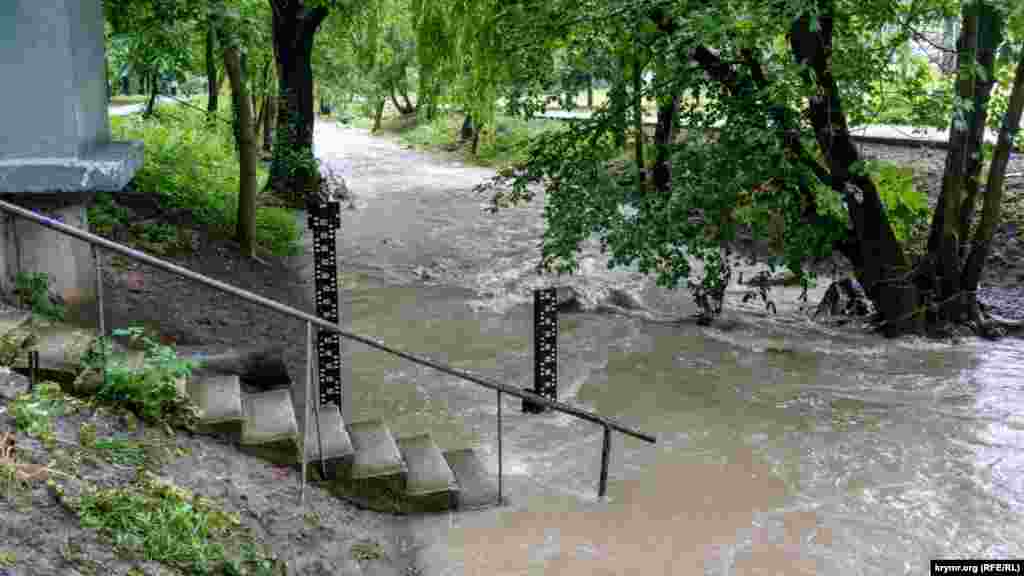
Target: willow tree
[[466, 52], [769, 146]]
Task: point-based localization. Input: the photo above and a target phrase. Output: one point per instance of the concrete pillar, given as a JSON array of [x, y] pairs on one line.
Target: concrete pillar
[[56, 150], [31, 248]]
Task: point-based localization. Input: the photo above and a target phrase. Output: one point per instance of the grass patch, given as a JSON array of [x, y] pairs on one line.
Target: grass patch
[[192, 166], [161, 522], [502, 145]]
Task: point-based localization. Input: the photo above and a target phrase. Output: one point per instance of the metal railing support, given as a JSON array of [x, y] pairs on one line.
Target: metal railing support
[[305, 418], [100, 322], [499, 450], [606, 448], [99, 288]]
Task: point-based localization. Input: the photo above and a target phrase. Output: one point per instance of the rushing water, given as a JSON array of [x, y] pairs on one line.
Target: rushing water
[[784, 446]]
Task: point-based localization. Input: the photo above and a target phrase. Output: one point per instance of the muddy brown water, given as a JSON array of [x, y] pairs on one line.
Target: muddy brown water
[[784, 446]]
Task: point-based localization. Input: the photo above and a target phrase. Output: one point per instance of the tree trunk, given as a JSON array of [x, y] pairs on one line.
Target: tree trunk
[[394, 100], [151, 103], [212, 82], [270, 112], [945, 239], [245, 232], [409, 108], [468, 130], [590, 91], [996, 179], [378, 115], [949, 37], [990, 28], [293, 172], [638, 116], [881, 256], [664, 136]]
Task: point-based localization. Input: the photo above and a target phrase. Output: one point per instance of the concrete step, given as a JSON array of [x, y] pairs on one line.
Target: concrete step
[[337, 446], [269, 417], [376, 453], [477, 487], [270, 430], [428, 472], [333, 436], [429, 483], [60, 347], [219, 398]]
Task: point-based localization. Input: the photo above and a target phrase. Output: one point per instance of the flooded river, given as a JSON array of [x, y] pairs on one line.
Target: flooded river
[[784, 446]]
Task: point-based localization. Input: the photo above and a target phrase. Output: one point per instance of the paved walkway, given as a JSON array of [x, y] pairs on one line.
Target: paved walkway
[[125, 109]]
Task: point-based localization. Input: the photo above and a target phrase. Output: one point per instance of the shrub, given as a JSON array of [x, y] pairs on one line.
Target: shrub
[[149, 391], [33, 290], [905, 204], [192, 165]]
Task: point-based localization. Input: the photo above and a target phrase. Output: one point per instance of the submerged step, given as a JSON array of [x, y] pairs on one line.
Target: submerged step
[[333, 436], [219, 398], [269, 418], [428, 472], [477, 488], [376, 453]]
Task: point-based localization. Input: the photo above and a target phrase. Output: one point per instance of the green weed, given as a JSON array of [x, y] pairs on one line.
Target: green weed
[[149, 391], [33, 290], [34, 412], [163, 523]]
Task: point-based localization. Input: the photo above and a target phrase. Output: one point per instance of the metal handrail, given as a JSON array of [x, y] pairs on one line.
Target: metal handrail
[[94, 240]]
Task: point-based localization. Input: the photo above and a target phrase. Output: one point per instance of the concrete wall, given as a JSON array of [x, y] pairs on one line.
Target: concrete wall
[[54, 95], [30, 247]]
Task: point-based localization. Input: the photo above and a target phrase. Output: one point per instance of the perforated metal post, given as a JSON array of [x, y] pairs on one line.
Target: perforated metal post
[[545, 348], [324, 219]]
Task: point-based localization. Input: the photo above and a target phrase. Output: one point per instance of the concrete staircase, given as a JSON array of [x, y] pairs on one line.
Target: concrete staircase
[[362, 462]]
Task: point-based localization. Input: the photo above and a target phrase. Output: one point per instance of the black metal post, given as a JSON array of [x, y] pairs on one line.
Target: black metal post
[[606, 448], [500, 476], [545, 348], [33, 365], [324, 219]]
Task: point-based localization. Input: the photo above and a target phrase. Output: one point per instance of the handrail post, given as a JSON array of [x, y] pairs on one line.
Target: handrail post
[[305, 419], [99, 305], [606, 448], [499, 448]]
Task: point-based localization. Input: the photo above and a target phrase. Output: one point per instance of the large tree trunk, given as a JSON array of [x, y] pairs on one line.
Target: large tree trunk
[[378, 115], [881, 255], [664, 136], [638, 116], [994, 187], [245, 232], [151, 102], [409, 108], [269, 115], [212, 81], [293, 173], [989, 38], [590, 91]]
